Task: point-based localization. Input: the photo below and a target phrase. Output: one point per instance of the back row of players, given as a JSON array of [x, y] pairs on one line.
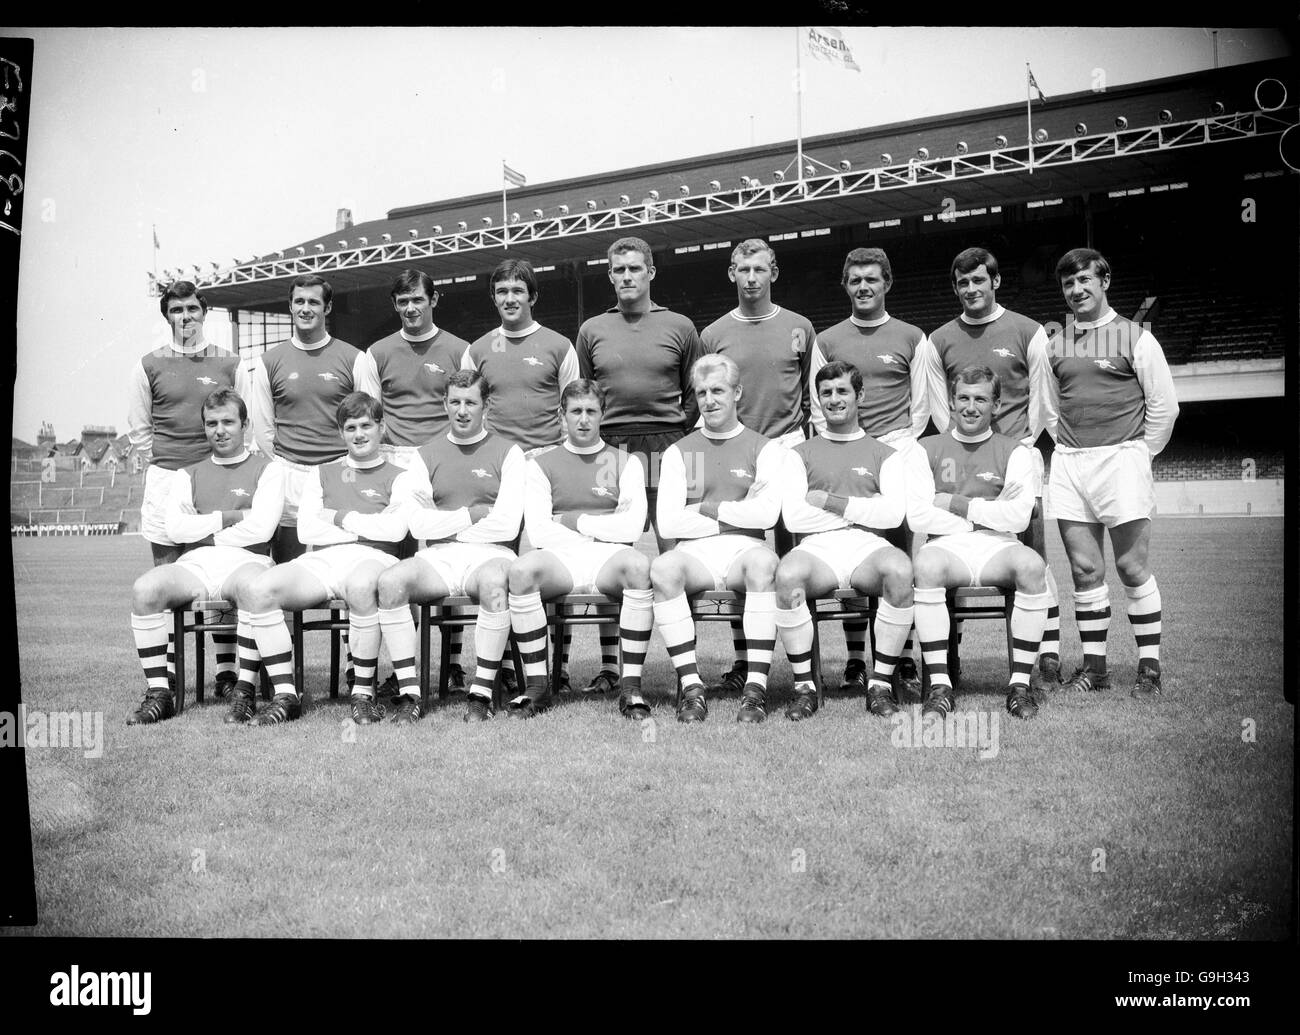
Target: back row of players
[[632, 388]]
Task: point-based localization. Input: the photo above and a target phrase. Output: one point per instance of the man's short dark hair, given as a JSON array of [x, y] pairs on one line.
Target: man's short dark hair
[[581, 388], [838, 368], [408, 280], [971, 259], [311, 280], [868, 257], [225, 397], [975, 375], [468, 379], [630, 244], [515, 269], [180, 289], [355, 405], [1077, 259]]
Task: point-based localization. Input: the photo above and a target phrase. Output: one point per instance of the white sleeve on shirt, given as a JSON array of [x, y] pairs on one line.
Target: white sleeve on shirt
[[139, 411], [389, 525], [762, 505], [625, 523], [313, 527], [429, 523], [544, 532], [262, 517], [569, 371], [1044, 387], [467, 360], [940, 405], [365, 376], [922, 514], [799, 515], [1021, 484], [672, 518], [920, 407], [1038, 403], [183, 523], [815, 362], [1153, 374], [501, 523], [261, 408]]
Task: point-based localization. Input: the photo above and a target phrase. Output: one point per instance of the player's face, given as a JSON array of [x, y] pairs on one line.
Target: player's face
[[1085, 293], [581, 416], [465, 410], [717, 400], [361, 435], [416, 310], [753, 276], [631, 275], [973, 407], [839, 403], [513, 303], [977, 291], [866, 289], [308, 309], [224, 430], [186, 316]]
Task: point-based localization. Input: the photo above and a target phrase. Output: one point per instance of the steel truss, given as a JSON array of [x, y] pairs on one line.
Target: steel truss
[[1011, 159]]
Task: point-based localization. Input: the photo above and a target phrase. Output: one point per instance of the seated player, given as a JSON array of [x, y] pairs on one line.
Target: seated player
[[584, 510], [842, 484], [227, 508], [353, 515], [973, 497], [467, 506], [719, 494]]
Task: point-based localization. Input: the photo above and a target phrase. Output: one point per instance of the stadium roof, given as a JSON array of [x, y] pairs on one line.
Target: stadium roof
[[1230, 118]]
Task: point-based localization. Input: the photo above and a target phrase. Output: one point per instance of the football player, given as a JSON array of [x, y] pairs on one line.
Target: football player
[[226, 509], [1111, 407]]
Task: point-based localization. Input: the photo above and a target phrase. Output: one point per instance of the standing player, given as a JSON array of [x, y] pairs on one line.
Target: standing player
[[226, 508], [165, 425], [891, 356], [842, 484], [720, 493], [356, 508], [295, 389], [584, 511], [468, 503], [411, 367], [1015, 348], [1111, 407], [526, 366], [973, 494], [771, 347], [641, 356]]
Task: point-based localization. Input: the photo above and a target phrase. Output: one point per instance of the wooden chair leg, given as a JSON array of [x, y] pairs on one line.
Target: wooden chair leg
[[425, 617], [335, 644], [953, 658], [444, 660], [817, 656], [557, 648], [1010, 606], [178, 636], [296, 634]]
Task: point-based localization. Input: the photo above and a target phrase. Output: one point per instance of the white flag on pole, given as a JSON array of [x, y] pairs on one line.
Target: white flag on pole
[[827, 43]]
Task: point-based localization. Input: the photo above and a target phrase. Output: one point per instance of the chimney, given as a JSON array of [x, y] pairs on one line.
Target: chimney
[[343, 219]]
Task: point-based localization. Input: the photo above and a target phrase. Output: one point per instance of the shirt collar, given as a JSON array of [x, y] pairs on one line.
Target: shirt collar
[[231, 461], [997, 311], [199, 344], [1083, 325], [858, 322], [417, 338], [653, 309], [719, 436], [297, 343], [482, 434], [988, 434], [835, 436], [585, 450], [534, 326], [369, 466], [736, 314]]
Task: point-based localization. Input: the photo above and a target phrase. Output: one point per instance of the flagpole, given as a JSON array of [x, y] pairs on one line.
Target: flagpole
[[505, 225], [798, 112], [1029, 118]]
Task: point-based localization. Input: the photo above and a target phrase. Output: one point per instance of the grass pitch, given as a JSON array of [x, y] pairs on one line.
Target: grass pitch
[[1101, 818]]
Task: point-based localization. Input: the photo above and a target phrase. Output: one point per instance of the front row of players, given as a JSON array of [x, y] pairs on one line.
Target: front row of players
[[583, 505]]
